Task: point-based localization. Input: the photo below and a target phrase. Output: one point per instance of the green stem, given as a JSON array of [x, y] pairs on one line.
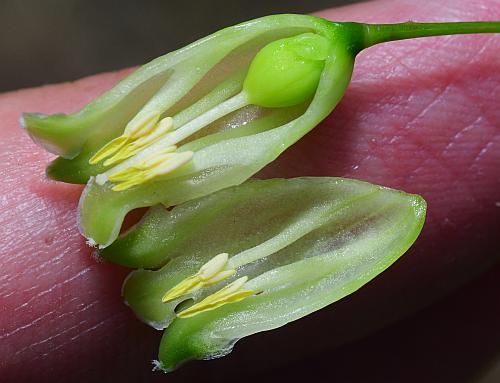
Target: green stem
[[381, 33]]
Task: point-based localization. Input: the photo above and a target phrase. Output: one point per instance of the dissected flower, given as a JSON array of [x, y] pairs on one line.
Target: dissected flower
[[233, 262], [209, 115], [197, 120], [256, 256]]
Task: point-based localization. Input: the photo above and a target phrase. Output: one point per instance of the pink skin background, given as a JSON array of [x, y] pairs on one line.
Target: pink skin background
[[421, 115]]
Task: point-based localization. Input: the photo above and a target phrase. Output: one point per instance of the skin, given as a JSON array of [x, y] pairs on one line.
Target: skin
[[420, 115]]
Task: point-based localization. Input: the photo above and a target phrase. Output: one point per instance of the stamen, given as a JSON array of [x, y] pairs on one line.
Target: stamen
[[133, 147], [233, 292], [138, 128], [107, 150], [210, 273], [155, 165], [133, 130], [146, 136], [145, 164]]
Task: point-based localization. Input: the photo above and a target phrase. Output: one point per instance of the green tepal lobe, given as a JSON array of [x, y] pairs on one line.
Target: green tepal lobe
[[256, 256], [286, 72]]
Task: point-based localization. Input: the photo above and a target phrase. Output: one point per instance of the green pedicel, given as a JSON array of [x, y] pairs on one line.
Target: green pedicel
[[256, 256], [209, 115]]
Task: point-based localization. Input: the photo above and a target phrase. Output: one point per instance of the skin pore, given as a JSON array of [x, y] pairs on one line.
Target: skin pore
[[420, 116]]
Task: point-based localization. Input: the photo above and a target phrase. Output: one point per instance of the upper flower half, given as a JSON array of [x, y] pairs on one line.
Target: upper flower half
[[199, 119], [209, 115]]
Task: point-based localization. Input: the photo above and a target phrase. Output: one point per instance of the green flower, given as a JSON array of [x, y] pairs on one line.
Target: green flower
[[256, 256], [225, 264], [197, 120], [209, 115]]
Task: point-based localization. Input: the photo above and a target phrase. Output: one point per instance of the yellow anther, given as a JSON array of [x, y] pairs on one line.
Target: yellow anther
[[147, 138], [132, 131], [107, 150], [234, 292], [211, 272], [138, 128], [214, 266], [171, 162], [154, 166], [145, 164], [219, 277]]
